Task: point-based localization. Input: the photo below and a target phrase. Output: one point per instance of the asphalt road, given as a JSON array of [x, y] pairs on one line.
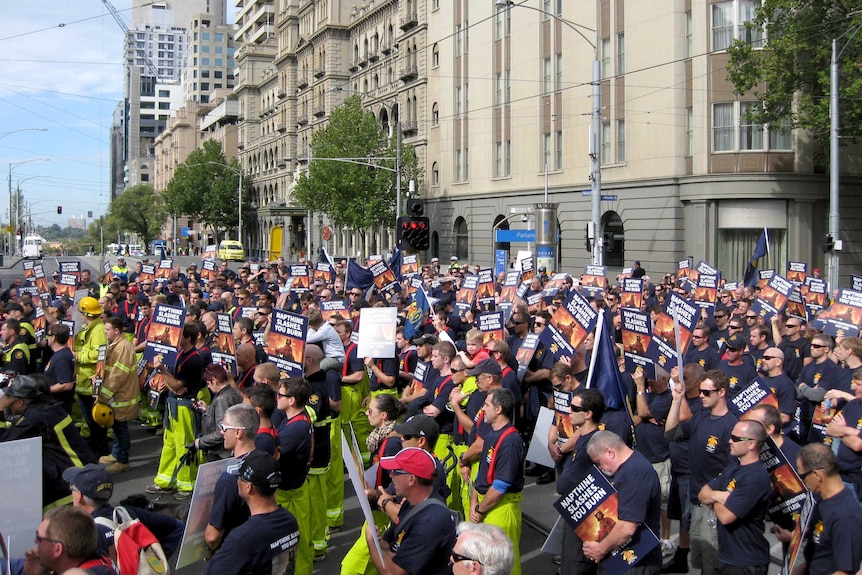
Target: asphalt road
[[539, 514]]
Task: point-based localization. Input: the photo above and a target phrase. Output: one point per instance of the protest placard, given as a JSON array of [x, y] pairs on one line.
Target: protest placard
[[569, 326], [193, 548], [164, 334], [286, 345], [377, 327]]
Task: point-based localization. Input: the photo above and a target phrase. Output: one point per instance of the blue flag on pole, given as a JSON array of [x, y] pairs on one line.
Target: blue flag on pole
[[358, 276], [416, 312], [761, 249], [394, 263], [605, 374]]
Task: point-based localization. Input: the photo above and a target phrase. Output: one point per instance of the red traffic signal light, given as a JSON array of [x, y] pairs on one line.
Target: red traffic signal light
[[59, 209]]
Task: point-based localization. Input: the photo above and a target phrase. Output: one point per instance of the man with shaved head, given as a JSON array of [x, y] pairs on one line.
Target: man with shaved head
[[772, 374], [246, 364], [739, 497]]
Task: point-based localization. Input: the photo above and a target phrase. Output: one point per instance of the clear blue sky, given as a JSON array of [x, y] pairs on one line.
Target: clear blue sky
[[62, 70]]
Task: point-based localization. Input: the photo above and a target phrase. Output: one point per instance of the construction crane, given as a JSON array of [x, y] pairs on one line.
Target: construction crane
[[130, 37]]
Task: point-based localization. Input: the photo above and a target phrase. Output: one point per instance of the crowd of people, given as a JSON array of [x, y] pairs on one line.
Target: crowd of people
[[443, 424]]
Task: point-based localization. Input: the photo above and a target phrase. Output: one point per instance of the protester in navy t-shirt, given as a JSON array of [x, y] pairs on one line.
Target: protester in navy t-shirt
[[639, 497], [739, 497], [266, 543]]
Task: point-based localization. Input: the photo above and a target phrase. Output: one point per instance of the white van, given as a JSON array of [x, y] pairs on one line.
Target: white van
[[32, 248]]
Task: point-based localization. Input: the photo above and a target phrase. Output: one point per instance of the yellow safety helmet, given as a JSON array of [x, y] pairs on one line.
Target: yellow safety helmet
[[90, 306], [103, 414]]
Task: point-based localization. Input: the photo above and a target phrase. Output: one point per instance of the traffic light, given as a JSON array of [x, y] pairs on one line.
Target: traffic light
[[828, 243], [415, 208], [59, 209], [415, 232]]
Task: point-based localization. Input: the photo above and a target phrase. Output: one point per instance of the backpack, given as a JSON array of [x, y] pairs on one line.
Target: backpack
[[138, 550]]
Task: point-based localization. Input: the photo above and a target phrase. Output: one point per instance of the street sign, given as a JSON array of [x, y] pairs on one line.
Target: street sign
[[184, 232], [326, 233], [523, 236], [605, 198]]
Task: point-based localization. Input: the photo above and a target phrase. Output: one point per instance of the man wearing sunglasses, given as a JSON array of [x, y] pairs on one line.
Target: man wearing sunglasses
[[586, 410], [739, 497], [708, 433], [772, 374], [422, 540], [739, 372], [816, 379]]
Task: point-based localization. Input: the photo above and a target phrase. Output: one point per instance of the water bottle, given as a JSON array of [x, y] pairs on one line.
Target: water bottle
[[712, 520], [827, 409]]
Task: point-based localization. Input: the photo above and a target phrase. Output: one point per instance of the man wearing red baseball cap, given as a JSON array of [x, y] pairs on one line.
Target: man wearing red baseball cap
[[423, 539]]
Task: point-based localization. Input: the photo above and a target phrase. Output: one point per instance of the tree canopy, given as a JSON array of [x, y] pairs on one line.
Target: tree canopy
[[790, 76], [139, 210], [204, 187], [357, 196]]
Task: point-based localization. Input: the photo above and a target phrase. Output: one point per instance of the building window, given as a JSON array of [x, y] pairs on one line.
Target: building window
[[546, 75], [750, 135], [435, 56], [462, 239], [723, 126], [689, 42], [458, 103], [546, 8], [435, 114], [498, 89], [508, 86], [458, 165], [729, 22], [689, 132], [458, 40], [606, 57], [621, 53], [435, 174], [558, 79], [621, 141], [546, 152], [498, 159], [779, 136], [558, 159], [606, 143]]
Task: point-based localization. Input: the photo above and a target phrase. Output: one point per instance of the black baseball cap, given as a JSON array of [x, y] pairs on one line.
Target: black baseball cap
[[261, 470], [420, 425], [487, 366], [93, 480]]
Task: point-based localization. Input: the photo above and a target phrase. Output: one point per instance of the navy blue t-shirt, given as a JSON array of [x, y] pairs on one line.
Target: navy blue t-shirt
[[708, 449], [742, 543], [679, 448], [438, 396], [739, 375], [294, 445], [251, 548], [850, 461], [783, 388], [507, 460], [228, 510], [61, 369], [425, 542], [835, 542], [640, 498], [650, 433]]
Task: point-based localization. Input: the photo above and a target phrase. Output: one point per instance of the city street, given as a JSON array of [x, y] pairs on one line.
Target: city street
[[539, 514]]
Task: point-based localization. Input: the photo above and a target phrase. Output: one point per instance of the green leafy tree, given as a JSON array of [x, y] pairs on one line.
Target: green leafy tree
[[205, 187], [138, 210], [357, 196], [790, 76]]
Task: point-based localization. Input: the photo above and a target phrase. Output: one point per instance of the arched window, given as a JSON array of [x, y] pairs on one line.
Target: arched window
[[435, 114], [435, 174], [501, 223], [435, 245], [615, 238], [435, 56], [462, 239]]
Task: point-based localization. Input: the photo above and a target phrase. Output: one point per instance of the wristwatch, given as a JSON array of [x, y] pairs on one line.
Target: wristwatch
[[477, 510], [641, 393], [385, 503]]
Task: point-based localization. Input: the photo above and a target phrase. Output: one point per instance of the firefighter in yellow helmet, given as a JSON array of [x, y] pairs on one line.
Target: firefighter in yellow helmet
[[88, 341]]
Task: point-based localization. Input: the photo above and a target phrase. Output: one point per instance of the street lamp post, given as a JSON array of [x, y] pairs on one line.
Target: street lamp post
[[4, 134], [833, 276], [11, 167], [596, 129]]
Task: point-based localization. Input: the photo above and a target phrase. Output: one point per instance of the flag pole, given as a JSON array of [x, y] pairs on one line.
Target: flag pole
[[600, 324]]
